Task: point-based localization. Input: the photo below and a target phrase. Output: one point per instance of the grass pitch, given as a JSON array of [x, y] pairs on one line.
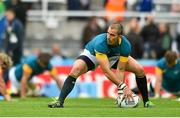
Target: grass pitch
[[90, 107]]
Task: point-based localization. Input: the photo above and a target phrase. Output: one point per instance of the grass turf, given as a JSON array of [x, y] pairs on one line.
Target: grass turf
[[79, 107]]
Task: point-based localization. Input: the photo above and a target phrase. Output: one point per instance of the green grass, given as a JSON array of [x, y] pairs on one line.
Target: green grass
[[86, 108]]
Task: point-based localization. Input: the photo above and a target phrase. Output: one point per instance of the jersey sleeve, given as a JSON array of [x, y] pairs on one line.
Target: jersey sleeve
[[125, 51], [54, 71], [101, 55], [123, 59], [29, 64], [27, 68], [101, 50], [50, 67], [160, 64], [158, 70], [100, 46]]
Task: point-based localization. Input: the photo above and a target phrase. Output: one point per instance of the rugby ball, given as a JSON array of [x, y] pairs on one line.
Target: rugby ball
[[124, 103]]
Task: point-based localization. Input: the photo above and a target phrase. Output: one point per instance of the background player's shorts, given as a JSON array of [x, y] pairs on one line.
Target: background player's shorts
[[15, 83], [92, 62]]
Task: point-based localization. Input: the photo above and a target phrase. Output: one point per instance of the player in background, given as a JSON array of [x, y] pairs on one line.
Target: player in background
[[21, 74], [110, 50], [5, 64], [168, 76]]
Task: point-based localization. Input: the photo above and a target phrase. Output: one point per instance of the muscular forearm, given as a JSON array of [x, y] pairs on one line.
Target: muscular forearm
[[120, 74], [23, 88], [105, 66], [3, 87], [111, 76], [120, 71], [3, 90]]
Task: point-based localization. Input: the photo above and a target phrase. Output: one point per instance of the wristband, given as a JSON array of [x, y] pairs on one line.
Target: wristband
[[121, 87]]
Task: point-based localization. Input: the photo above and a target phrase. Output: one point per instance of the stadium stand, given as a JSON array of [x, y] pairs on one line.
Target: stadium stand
[[52, 24]]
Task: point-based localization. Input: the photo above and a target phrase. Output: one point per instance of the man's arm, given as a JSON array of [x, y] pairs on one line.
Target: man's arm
[[3, 89], [53, 73], [121, 67], [104, 64], [158, 82], [26, 75], [120, 72]]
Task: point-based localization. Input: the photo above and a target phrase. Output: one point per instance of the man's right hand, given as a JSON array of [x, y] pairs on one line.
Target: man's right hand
[[127, 93], [123, 89]]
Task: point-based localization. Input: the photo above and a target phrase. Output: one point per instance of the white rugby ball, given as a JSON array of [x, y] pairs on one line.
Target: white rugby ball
[[123, 103]]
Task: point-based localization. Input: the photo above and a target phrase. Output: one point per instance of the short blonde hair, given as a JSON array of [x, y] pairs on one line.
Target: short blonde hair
[[6, 59], [118, 27]]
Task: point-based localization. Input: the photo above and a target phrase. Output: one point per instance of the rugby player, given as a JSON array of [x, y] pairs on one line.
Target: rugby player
[[21, 74], [168, 74], [5, 64], [110, 50]]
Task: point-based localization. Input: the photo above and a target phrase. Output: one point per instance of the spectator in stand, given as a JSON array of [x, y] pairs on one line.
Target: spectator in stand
[[2, 23], [2, 7], [57, 58], [132, 5], [20, 10], [35, 53], [14, 36], [178, 37], [145, 5], [164, 41], [115, 6], [78, 5], [150, 35], [176, 8], [135, 39], [85, 4], [90, 30], [73, 5]]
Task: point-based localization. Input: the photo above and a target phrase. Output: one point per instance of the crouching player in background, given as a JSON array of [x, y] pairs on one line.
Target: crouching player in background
[[21, 74], [5, 64], [168, 76], [110, 50]]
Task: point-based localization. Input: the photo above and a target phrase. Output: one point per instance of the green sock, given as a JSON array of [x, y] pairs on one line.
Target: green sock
[[67, 88]]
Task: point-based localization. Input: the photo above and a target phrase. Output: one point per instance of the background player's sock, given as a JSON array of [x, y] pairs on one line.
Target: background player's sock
[[67, 88], [142, 85]]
